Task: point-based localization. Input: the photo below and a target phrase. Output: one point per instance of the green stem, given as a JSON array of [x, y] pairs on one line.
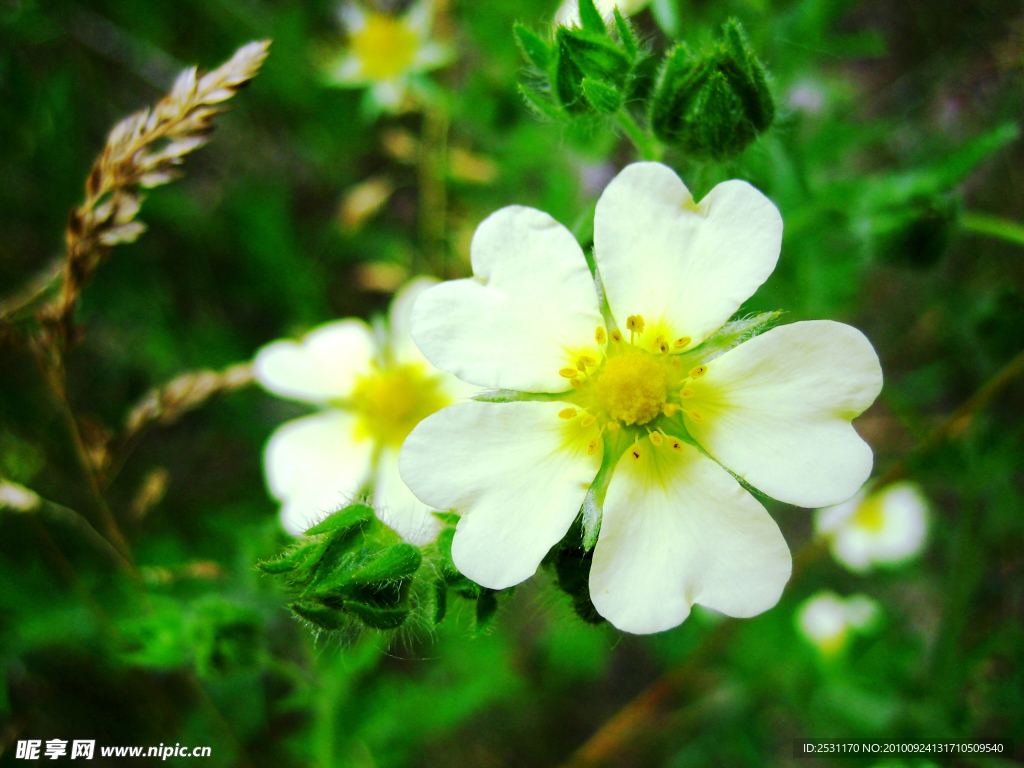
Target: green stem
[[646, 145], [985, 224]]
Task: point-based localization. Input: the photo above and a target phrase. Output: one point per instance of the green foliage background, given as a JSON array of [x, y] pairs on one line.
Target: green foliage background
[[896, 129]]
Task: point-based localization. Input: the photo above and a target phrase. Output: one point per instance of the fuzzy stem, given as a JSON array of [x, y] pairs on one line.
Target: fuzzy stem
[[986, 224], [646, 145]]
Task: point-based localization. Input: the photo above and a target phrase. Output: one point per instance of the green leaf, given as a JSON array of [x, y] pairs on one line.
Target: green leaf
[[536, 51], [591, 19], [351, 516]]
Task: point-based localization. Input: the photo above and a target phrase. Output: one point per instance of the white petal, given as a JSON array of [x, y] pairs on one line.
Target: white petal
[[353, 18], [685, 268], [677, 529], [515, 472], [346, 71], [320, 368], [419, 18], [397, 507], [530, 310], [431, 55], [314, 465], [389, 93], [776, 411]]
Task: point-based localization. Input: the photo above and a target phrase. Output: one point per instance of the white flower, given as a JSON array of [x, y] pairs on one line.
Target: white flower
[[827, 619], [883, 527], [370, 397], [385, 51], [649, 425], [569, 12]]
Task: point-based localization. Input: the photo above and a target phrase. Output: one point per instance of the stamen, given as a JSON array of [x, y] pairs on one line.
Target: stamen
[[662, 344], [568, 372], [592, 446], [614, 426], [635, 323], [576, 383], [567, 413], [635, 452], [587, 420], [588, 361], [599, 335], [677, 363], [700, 370], [685, 393], [670, 409], [676, 444], [581, 366], [695, 416], [616, 336], [656, 439], [681, 342]]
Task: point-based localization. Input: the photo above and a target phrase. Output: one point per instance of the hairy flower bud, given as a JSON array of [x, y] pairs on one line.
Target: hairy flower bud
[[713, 105]]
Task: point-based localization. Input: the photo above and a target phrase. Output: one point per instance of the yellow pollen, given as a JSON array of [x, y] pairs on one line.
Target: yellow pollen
[[681, 342], [670, 409], [587, 420], [616, 336], [567, 413], [592, 446], [685, 393], [635, 323], [613, 426], [695, 416], [385, 47], [700, 370], [600, 336], [656, 439], [567, 372], [390, 402], [632, 388], [869, 515]]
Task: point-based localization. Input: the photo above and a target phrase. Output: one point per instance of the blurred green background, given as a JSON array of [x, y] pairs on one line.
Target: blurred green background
[[894, 146]]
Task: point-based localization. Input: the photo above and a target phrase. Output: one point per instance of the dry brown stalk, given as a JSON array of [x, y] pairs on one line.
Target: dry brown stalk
[[641, 714], [142, 151]]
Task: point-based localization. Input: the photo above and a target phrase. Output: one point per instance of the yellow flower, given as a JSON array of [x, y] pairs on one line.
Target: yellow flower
[[384, 52], [370, 397]]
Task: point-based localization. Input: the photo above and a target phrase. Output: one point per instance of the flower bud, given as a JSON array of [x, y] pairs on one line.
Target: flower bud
[[714, 105]]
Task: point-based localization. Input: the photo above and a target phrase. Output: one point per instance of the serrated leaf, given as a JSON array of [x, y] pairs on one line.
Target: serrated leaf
[[351, 516], [536, 51]]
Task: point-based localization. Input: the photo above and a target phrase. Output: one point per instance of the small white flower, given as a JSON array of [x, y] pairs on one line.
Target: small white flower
[[384, 52], [370, 398], [651, 426], [887, 526], [569, 12], [827, 619]]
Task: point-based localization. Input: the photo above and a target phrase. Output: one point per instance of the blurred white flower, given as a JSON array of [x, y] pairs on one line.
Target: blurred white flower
[[827, 620], [371, 396], [384, 52], [569, 12], [878, 528]]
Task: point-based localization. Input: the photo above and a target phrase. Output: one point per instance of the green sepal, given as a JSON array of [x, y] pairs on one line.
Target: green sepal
[[450, 519], [486, 609], [580, 54], [350, 517], [604, 98], [540, 104], [533, 46], [627, 36], [440, 601], [572, 571], [394, 563], [714, 105], [323, 618], [288, 562], [378, 617], [590, 18]]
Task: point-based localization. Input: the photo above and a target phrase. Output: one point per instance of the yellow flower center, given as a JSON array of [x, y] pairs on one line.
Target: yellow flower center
[[869, 515], [391, 401], [385, 47], [632, 388]]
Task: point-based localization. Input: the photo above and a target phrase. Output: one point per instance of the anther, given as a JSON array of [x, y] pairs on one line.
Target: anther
[[677, 444], [635, 323], [599, 335], [568, 372], [588, 361], [700, 370], [695, 416], [613, 426], [670, 409], [592, 446], [581, 366], [681, 342], [635, 453], [656, 439], [663, 347], [567, 413], [616, 336], [677, 363], [576, 383], [587, 420], [685, 393]]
